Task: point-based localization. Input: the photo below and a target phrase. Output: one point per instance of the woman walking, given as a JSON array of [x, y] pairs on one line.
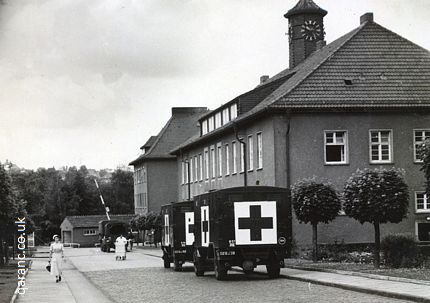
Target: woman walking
[[56, 255]]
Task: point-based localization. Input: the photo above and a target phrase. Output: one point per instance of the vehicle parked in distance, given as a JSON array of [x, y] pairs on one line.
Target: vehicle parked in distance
[[177, 233]]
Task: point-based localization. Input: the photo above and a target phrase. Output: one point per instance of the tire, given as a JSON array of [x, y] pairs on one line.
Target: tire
[[198, 268], [273, 269], [177, 266], [166, 261], [220, 270]]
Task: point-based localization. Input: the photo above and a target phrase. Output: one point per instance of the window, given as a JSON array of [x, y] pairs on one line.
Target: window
[[213, 162], [218, 120], [191, 169], [211, 121], [219, 148], [207, 163], [201, 166], [225, 116], [423, 231], [233, 111], [204, 127], [186, 167], [259, 151], [90, 232], [196, 170], [250, 153], [183, 172], [380, 146], [234, 150], [420, 135], [227, 160], [335, 147], [421, 202], [242, 157]]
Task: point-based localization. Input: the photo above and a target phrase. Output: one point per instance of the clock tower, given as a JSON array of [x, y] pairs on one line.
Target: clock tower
[[305, 30]]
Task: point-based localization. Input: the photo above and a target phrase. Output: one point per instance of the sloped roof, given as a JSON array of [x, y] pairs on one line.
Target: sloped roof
[[305, 6], [93, 220], [149, 143], [387, 72], [182, 125]]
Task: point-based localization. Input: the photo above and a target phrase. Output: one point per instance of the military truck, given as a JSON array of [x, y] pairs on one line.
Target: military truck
[[177, 237], [109, 230], [244, 227]]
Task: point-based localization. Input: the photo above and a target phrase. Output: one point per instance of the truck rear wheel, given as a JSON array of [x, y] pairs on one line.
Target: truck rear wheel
[[273, 269], [166, 260], [220, 270]]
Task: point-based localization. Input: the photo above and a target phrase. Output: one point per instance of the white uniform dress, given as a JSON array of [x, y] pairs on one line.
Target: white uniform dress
[[120, 247], [56, 260]]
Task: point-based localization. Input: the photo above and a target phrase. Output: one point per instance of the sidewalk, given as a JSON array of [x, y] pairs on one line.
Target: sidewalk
[[394, 289], [74, 287]]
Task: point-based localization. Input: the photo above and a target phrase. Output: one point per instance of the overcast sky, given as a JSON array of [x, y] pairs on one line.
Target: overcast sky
[[87, 82]]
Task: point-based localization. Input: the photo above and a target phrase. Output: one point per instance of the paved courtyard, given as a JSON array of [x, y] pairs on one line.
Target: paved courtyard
[[142, 278]]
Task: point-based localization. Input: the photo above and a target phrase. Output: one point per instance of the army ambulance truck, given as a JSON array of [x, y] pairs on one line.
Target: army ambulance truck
[[244, 227], [109, 230], [177, 237]]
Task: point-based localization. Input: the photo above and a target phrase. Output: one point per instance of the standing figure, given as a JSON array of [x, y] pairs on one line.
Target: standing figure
[[130, 240], [120, 244], [56, 255]]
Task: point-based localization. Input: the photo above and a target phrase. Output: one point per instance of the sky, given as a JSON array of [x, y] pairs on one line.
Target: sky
[[87, 82]]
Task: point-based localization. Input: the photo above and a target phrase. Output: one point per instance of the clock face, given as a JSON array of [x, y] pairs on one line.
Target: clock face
[[311, 30]]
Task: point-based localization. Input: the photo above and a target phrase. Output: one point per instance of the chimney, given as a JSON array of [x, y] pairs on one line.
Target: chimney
[[367, 17], [264, 78]]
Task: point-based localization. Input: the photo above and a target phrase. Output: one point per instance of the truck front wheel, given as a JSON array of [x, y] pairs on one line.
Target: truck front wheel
[[220, 270], [177, 266]]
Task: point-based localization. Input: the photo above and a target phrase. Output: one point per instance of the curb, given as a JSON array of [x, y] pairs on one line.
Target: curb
[[360, 274], [362, 289], [12, 300]]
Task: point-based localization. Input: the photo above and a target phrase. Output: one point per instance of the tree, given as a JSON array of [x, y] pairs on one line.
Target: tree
[[315, 203], [376, 196], [9, 210], [146, 222], [122, 184]]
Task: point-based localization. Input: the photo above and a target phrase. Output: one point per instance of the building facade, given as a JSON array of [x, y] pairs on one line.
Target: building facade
[[155, 173], [359, 102]]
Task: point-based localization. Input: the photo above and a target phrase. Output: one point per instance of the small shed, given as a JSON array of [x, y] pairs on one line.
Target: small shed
[[84, 230]]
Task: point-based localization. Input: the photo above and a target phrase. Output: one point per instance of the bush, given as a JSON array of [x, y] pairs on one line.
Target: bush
[[401, 251]]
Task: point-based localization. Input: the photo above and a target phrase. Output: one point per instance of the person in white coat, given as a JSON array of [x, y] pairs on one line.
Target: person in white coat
[[120, 245], [56, 255]]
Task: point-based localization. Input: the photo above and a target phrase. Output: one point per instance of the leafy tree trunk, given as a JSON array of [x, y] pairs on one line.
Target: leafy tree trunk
[[315, 242], [376, 257]]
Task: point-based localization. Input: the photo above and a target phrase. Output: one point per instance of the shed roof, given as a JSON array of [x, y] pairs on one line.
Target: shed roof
[[93, 220]]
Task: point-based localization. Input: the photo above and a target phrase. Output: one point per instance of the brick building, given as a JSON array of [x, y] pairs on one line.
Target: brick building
[[84, 230], [359, 102], [155, 174]]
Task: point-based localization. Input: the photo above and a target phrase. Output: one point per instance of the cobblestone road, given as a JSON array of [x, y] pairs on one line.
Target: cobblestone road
[[141, 278]]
